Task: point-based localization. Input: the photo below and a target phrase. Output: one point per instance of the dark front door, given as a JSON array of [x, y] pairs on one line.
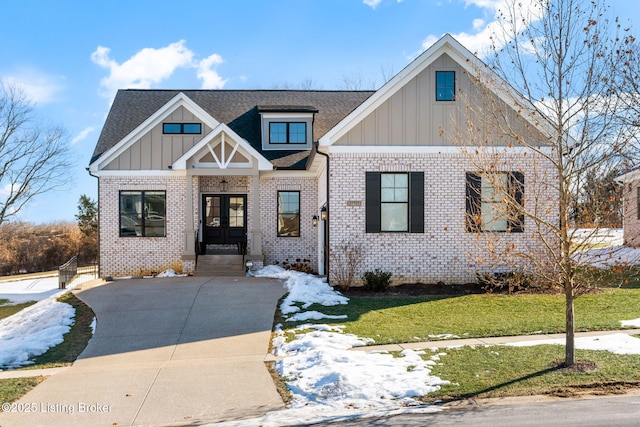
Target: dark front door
[[224, 219]]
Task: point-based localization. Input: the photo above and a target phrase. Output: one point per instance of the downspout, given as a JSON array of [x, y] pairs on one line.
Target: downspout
[[327, 261], [96, 177]]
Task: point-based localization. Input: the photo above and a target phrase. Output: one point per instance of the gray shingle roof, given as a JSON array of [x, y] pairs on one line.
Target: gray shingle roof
[[238, 109]]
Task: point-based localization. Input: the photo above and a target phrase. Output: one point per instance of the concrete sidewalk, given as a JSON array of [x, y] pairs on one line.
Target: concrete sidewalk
[[486, 341], [172, 351]]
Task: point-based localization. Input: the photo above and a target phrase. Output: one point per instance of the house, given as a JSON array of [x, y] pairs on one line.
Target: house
[[277, 176], [631, 201]]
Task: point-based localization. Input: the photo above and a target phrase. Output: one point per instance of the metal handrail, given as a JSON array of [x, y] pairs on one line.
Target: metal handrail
[[67, 271]]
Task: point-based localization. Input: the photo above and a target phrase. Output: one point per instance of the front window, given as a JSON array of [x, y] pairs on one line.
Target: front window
[[142, 214], [394, 202], [445, 85], [287, 133], [288, 213]]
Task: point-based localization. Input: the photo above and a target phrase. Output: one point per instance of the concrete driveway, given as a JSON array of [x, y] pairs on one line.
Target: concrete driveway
[[171, 351]]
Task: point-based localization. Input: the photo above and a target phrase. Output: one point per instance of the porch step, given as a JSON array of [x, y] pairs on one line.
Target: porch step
[[220, 265]]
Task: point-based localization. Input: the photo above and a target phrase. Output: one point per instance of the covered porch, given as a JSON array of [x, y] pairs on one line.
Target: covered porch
[[222, 198]]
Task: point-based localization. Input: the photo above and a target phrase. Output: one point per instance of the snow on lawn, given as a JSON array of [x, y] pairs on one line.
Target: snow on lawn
[[33, 330], [303, 288], [610, 252], [34, 289], [329, 381], [609, 257], [619, 343]]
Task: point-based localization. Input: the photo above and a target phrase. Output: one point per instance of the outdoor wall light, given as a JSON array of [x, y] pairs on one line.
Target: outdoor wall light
[[224, 185], [314, 221], [323, 213]]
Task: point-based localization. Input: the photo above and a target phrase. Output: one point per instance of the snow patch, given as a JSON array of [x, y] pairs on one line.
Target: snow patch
[[171, 273], [33, 330], [619, 343]]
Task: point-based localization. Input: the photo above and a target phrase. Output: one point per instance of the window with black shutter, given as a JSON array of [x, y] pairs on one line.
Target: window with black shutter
[[394, 202], [494, 202]]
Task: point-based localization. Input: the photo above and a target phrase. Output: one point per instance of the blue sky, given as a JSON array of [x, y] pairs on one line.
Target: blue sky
[[71, 56]]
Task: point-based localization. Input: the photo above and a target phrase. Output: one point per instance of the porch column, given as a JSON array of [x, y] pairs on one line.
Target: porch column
[[256, 233], [189, 250]]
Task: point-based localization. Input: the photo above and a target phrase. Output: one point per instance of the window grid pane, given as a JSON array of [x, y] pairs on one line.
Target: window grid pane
[[394, 217], [297, 133], [236, 212], [171, 128], [191, 128], [278, 133]]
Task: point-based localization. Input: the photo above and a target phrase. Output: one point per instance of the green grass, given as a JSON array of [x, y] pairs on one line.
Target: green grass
[[411, 319], [499, 371], [8, 310], [14, 388]]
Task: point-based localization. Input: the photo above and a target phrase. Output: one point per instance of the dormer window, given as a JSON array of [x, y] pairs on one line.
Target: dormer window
[[182, 128], [445, 85], [287, 132], [287, 127]]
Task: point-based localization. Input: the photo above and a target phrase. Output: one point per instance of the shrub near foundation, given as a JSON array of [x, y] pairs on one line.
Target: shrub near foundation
[[377, 280]]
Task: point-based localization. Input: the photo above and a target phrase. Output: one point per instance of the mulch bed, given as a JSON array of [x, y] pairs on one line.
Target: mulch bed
[[417, 289]]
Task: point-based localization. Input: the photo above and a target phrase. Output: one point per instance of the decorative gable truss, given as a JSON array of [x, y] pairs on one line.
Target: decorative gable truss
[[221, 149]]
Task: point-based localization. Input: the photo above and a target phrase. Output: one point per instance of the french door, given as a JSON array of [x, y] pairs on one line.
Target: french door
[[224, 218]]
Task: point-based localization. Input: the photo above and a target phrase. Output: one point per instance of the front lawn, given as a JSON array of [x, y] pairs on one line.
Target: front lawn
[[499, 371], [401, 319]]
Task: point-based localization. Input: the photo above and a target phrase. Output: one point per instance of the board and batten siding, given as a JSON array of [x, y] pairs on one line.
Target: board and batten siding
[[413, 117], [155, 150]]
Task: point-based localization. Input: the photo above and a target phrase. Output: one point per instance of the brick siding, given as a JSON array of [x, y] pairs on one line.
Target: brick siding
[[280, 249], [445, 252], [133, 256]]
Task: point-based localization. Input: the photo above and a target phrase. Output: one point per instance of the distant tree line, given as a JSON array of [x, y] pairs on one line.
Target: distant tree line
[[29, 248]]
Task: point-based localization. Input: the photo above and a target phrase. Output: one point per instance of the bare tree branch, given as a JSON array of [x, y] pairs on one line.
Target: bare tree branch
[[35, 158]]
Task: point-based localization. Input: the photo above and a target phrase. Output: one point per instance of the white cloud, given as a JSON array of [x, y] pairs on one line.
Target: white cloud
[[480, 40], [372, 3], [82, 135], [143, 69], [210, 78], [40, 88], [150, 66]]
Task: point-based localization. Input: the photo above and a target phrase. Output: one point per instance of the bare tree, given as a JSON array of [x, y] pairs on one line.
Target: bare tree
[[306, 84], [34, 158], [568, 63]]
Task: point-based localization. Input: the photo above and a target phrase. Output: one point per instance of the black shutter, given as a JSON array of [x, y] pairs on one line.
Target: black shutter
[[372, 202], [473, 201], [416, 202], [516, 189]]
